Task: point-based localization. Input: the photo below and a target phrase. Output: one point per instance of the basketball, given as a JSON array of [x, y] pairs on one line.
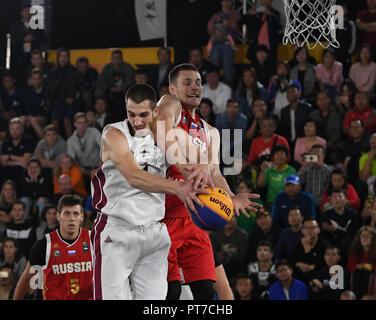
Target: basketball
[[217, 211]]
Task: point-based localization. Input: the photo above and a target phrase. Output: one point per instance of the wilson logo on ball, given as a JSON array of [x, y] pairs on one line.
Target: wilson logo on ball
[[217, 211], [222, 205]]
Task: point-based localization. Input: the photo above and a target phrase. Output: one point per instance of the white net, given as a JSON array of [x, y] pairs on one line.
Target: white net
[[310, 22]]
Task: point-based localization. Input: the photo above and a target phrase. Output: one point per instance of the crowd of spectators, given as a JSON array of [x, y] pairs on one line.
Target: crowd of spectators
[[308, 137]]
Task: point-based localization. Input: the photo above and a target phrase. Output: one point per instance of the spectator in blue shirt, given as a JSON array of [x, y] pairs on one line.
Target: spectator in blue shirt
[[292, 196], [287, 287], [291, 235]]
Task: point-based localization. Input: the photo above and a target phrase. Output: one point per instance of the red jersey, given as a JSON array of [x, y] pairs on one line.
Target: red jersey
[[199, 130], [68, 273]]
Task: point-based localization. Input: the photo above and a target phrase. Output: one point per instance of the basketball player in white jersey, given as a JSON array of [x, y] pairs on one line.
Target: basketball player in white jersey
[[130, 245]]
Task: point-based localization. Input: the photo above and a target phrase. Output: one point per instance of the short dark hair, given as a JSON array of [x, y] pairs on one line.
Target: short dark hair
[[207, 101], [36, 160], [117, 51], [69, 200], [330, 247], [18, 201], [269, 117], [282, 262], [196, 48], [141, 71], [329, 50], [174, 73], [212, 69], [231, 100], [140, 92], [265, 244], [324, 91], [318, 146], [280, 147], [36, 51], [295, 207], [164, 49], [337, 190], [310, 219], [82, 59]]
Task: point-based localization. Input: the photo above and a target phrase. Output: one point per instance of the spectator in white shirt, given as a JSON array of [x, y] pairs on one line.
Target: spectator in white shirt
[[216, 91]]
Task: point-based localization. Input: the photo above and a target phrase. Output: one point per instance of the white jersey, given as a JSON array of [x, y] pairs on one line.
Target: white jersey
[[114, 196]]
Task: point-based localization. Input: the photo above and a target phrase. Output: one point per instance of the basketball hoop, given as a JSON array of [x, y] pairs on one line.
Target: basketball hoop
[[312, 22]]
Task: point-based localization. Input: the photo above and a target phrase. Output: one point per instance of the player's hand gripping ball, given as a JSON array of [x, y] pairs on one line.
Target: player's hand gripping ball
[[217, 211]]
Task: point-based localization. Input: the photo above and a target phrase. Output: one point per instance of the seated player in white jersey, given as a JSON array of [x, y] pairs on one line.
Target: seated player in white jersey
[[130, 244], [64, 255]]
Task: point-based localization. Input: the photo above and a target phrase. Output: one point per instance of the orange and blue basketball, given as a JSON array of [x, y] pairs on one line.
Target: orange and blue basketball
[[217, 211]]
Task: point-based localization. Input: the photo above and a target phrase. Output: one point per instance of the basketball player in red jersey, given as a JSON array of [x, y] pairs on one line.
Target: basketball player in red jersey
[[191, 250], [65, 257]]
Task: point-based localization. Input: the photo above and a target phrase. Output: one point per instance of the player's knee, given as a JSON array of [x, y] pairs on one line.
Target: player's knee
[[174, 290], [202, 290]]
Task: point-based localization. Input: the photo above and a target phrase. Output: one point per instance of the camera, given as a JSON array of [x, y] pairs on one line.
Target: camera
[[4, 274], [310, 158]]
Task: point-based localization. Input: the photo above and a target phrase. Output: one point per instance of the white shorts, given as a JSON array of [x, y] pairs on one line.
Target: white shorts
[[124, 254]]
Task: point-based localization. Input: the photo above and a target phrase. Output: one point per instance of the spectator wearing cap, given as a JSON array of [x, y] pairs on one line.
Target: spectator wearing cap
[[231, 245], [315, 174], [262, 272], [272, 174], [34, 189], [294, 115], [291, 234], [215, 90], [287, 287], [290, 197], [265, 231]]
